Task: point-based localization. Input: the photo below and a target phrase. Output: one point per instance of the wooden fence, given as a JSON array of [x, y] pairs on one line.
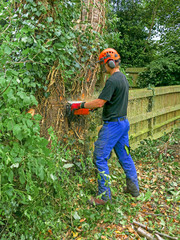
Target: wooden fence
[[153, 112]]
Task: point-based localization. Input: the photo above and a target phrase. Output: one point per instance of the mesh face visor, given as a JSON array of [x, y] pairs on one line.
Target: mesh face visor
[[102, 67]]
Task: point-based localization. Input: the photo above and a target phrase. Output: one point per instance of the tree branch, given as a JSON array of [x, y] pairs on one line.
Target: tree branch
[[144, 233], [143, 226], [167, 236], [151, 230], [153, 19], [158, 214], [5, 29], [158, 237]]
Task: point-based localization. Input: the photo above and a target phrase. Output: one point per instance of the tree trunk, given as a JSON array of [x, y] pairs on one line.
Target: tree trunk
[[53, 108]]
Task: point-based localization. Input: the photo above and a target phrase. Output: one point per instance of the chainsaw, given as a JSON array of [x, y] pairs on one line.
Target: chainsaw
[[71, 111]]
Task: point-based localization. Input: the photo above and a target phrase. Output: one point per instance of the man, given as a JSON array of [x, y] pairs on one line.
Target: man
[[114, 133]]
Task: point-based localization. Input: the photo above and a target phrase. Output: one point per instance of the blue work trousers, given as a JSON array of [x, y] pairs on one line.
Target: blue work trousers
[[113, 135]]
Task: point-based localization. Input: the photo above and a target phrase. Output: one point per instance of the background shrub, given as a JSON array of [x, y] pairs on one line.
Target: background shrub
[[161, 72]]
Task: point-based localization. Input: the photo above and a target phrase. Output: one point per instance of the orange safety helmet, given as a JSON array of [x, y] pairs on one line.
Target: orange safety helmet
[[108, 54]]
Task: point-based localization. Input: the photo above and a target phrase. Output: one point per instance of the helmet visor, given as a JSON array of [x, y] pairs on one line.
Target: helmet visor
[[103, 68]]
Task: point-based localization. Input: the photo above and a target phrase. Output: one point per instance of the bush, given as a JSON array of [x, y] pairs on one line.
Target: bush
[[161, 72], [36, 183]]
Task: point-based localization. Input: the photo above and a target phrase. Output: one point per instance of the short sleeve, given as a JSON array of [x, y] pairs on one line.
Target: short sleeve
[[107, 91]]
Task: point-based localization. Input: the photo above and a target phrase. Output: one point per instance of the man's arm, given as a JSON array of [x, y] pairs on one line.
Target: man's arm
[[97, 103]]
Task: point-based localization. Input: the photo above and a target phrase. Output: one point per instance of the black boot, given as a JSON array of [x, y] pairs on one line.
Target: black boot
[[131, 188]]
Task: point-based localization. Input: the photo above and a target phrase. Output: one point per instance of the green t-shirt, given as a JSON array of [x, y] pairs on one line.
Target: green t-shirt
[[115, 92]]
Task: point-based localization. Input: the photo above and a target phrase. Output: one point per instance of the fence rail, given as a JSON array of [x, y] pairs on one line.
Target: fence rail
[[153, 112]]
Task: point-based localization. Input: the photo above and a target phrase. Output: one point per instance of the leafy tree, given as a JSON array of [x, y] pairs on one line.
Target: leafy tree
[[165, 69], [132, 27], [161, 72], [139, 23]]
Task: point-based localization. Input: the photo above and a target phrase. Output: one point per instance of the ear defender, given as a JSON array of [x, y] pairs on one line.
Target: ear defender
[[111, 64]]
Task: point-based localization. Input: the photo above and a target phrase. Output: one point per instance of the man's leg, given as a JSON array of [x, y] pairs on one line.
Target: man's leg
[[122, 151], [107, 138]]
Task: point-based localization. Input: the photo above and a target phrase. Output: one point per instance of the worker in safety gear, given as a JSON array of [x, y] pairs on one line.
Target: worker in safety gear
[[114, 132]]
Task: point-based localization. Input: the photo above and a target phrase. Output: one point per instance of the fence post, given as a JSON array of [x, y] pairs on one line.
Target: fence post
[[150, 109]]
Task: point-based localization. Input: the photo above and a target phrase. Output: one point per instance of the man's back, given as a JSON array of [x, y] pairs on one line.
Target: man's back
[[116, 93]]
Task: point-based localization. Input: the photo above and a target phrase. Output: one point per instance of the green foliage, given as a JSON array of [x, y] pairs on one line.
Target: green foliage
[[139, 25], [165, 69], [161, 72], [35, 182], [33, 41], [133, 33], [112, 36]]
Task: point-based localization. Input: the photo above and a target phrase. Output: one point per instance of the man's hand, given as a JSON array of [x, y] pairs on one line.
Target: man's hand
[[75, 106]]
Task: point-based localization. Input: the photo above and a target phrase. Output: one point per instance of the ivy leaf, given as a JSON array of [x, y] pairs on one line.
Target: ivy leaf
[[22, 95], [26, 80], [76, 216], [27, 100], [41, 173], [28, 66], [49, 19], [7, 50], [68, 165], [9, 192], [22, 176], [10, 176], [29, 198], [10, 125], [17, 131], [58, 33], [53, 177], [29, 123], [38, 13], [33, 99]]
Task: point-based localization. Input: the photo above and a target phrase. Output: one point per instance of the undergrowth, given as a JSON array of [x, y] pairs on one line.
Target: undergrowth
[[45, 195]]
